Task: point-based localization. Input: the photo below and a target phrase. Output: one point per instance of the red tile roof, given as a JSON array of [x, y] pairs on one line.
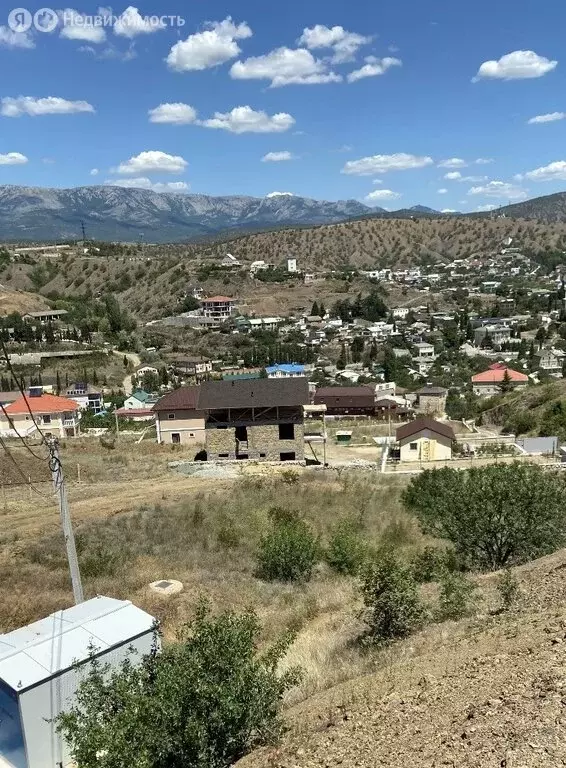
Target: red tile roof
[[497, 375], [43, 404], [217, 299]]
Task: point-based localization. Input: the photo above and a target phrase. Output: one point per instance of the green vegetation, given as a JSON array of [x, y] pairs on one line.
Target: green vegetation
[[508, 587], [393, 607], [289, 551], [207, 699], [494, 515], [456, 598], [347, 549]]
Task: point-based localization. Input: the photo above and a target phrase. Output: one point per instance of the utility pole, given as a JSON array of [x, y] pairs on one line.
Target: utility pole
[[117, 423], [59, 485]]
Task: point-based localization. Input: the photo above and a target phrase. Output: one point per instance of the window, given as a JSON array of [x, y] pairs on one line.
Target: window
[[47, 419], [241, 433], [175, 437], [287, 456], [262, 455], [413, 446], [286, 431], [171, 416], [223, 455], [191, 434]]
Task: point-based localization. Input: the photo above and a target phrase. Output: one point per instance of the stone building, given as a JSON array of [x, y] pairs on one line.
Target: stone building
[[259, 419]]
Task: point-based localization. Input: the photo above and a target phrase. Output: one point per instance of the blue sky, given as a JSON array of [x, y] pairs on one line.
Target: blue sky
[[394, 101]]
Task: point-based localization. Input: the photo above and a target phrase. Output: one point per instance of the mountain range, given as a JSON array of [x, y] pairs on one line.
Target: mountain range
[[117, 213]]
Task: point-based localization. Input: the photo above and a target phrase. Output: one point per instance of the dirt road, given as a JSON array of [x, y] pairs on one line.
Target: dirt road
[[135, 360]]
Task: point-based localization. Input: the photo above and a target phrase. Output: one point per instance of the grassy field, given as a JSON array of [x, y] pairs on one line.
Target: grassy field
[[137, 521]]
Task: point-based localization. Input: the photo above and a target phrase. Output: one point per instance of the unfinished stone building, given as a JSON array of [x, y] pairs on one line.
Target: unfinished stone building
[[259, 419]]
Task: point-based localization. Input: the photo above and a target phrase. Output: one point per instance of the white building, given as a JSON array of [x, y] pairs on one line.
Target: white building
[[292, 265], [41, 667]]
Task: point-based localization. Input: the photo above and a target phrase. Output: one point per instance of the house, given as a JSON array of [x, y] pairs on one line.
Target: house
[[394, 408], [141, 372], [342, 401], [192, 366], [425, 440], [53, 415], [431, 400], [218, 308], [87, 396], [139, 401], [135, 414], [47, 316], [490, 382], [498, 334], [230, 262], [400, 313], [551, 361], [177, 418], [261, 419], [424, 358], [285, 371]]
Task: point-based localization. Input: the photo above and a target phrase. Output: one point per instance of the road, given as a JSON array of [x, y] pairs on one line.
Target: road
[[134, 358]]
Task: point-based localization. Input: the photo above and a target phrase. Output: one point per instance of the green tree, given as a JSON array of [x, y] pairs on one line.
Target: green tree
[[494, 515], [346, 549], [315, 309], [206, 700], [288, 552], [506, 383], [393, 606]]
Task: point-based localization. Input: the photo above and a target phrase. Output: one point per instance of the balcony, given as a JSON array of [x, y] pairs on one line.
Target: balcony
[[69, 422]]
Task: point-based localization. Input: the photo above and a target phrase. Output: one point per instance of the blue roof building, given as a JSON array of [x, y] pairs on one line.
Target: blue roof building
[[285, 371]]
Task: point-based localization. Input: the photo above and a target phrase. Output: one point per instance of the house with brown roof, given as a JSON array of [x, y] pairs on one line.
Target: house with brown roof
[[497, 377], [259, 419], [344, 401], [425, 439], [57, 416], [178, 419]]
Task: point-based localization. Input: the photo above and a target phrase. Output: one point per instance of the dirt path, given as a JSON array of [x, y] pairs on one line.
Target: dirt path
[[135, 359], [26, 516]]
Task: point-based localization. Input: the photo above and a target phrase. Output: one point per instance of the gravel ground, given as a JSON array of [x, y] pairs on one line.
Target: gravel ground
[[488, 692]]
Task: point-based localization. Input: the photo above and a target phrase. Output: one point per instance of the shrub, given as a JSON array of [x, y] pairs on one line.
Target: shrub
[[456, 598], [206, 700], [508, 587], [393, 606], [288, 552], [346, 549], [494, 515], [429, 564]]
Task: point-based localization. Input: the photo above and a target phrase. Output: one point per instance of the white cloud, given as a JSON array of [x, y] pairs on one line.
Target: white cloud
[[400, 161], [280, 194], [518, 65], [499, 189], [453, 162], [373, 67], [13, 158], [285, 66], [377, 181], [448, 210], [382, 194], [79, 26], [215, 45], [344, 44], [457, 176], [550, 117], [277, 157], [247, 120], [174, 113], [51, 105], [94, 171], [11, 39], [555, 171], [152, 161], [488, 207], [484, 160], [442, 191], [453, 176], [143, 182], [131, 23]]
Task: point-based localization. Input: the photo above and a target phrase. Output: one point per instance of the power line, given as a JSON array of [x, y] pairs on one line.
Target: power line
[[21, 471], [21, 437]]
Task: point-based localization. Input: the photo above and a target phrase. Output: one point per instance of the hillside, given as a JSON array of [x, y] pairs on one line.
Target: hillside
[[20, 301], [547, 208], [488, 692]]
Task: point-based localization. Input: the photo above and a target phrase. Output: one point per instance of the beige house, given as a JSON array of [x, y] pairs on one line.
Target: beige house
[[177, 419], [425, 440], [57, 416]]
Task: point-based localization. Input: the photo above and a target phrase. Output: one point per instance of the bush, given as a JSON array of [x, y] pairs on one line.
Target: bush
[[206, 700], [508, 587], [430, 563], [494, 515], [393, 606], [456, 598], [346, 549], [288, 552]]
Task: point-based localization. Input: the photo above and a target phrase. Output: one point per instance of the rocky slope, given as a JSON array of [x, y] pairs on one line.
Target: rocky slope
[[486, 692]]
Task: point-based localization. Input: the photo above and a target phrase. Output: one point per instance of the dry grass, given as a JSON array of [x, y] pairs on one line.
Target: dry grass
[[207, 539]]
